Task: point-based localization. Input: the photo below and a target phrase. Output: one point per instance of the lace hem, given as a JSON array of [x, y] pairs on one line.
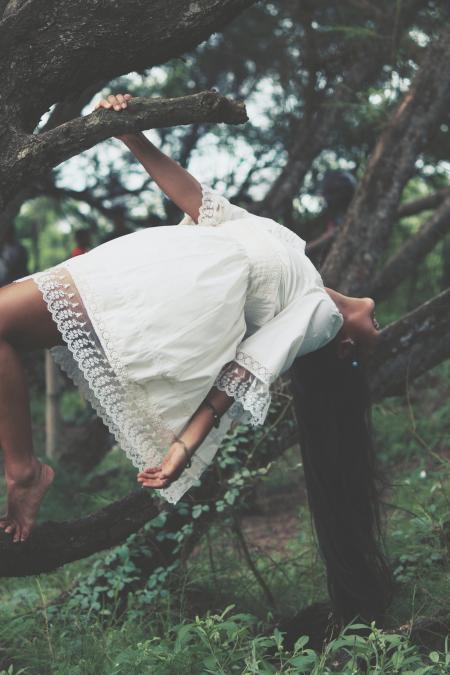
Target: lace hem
[[135, 422], [252, 395]]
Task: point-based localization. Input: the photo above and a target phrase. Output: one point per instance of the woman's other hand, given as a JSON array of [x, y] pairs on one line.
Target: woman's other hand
[[117, 102], [169, 470]]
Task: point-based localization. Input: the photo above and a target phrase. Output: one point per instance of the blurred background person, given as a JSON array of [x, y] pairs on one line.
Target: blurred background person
[[13, 256], [337, 189], [83, 242]]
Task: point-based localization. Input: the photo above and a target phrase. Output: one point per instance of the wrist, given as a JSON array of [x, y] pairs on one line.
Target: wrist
[[187, 451], [132, 140]]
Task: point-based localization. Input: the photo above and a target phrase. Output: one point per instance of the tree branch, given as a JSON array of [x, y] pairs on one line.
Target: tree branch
[[430, 201], [410, 346], [54, 544], [51, 50], [412, 252], [30, 155]]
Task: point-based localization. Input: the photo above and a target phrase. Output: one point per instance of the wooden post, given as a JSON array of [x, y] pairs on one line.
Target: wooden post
[[52, 417]]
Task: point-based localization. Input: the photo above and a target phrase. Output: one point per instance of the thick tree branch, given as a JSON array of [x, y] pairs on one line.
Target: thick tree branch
[[54, 544], [410, 346], [51, 50], [30, 155], [403, 263]]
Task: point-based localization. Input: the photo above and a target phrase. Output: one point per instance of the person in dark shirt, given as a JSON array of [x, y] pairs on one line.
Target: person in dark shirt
[[337, 189]]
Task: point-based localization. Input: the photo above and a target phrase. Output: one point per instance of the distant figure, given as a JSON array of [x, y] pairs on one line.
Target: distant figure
[[337, 189], [83, 240], [13, 257], [118, 214]]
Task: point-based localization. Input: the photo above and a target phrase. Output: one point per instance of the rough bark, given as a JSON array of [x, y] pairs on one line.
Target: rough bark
[[54, 49], [402, 263], [353, 258], [55, 544], [408, 348], [28, 155]]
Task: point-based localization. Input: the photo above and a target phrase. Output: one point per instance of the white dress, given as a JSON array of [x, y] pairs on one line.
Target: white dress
[[152, 320]]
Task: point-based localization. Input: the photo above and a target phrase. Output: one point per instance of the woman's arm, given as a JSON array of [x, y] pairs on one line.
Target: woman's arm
[[193, 435], [177, 183]]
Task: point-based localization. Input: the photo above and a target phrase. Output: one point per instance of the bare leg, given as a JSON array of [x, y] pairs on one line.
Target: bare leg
[[25, 325]]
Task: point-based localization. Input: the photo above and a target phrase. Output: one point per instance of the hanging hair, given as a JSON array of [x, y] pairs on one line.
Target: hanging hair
[[332, 405]]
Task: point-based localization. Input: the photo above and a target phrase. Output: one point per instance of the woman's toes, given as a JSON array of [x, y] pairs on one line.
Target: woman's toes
[[10, 528], [24, 534]]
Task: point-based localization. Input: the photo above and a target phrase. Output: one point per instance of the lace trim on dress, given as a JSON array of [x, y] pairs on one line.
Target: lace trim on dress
[[123, 405], [252, 395], [254, 366], [212, 208], [211, 211]]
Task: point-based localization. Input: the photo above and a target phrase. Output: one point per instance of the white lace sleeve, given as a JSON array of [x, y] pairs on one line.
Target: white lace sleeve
[[214, 209], [252, 394], [306, 324]]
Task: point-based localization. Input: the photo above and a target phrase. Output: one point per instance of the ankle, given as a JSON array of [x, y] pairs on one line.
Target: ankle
[[23, 473]]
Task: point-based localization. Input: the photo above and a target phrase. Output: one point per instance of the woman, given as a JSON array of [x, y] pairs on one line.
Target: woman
[[172, 333]]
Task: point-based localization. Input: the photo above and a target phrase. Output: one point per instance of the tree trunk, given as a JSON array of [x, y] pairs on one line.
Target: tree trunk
[[52, 416], [363, 239]]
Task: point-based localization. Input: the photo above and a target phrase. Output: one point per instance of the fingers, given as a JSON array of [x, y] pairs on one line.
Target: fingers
[[156, 482], [117, 102], [154, 477]]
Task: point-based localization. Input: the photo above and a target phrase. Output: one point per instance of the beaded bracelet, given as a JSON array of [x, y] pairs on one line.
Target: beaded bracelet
[[216, 415], [185, 448]]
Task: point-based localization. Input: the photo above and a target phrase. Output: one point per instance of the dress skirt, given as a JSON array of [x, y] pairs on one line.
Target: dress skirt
[[149, 320]]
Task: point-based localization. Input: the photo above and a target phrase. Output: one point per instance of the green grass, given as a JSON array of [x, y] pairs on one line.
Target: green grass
[[188, 630]]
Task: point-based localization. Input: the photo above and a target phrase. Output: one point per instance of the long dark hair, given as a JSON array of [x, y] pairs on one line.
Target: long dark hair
[[343, 481]]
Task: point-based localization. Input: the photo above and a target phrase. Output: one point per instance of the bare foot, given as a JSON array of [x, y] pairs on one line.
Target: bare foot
[[24, 499]]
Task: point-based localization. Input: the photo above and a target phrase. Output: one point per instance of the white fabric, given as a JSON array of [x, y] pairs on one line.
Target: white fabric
[[152, 320]]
